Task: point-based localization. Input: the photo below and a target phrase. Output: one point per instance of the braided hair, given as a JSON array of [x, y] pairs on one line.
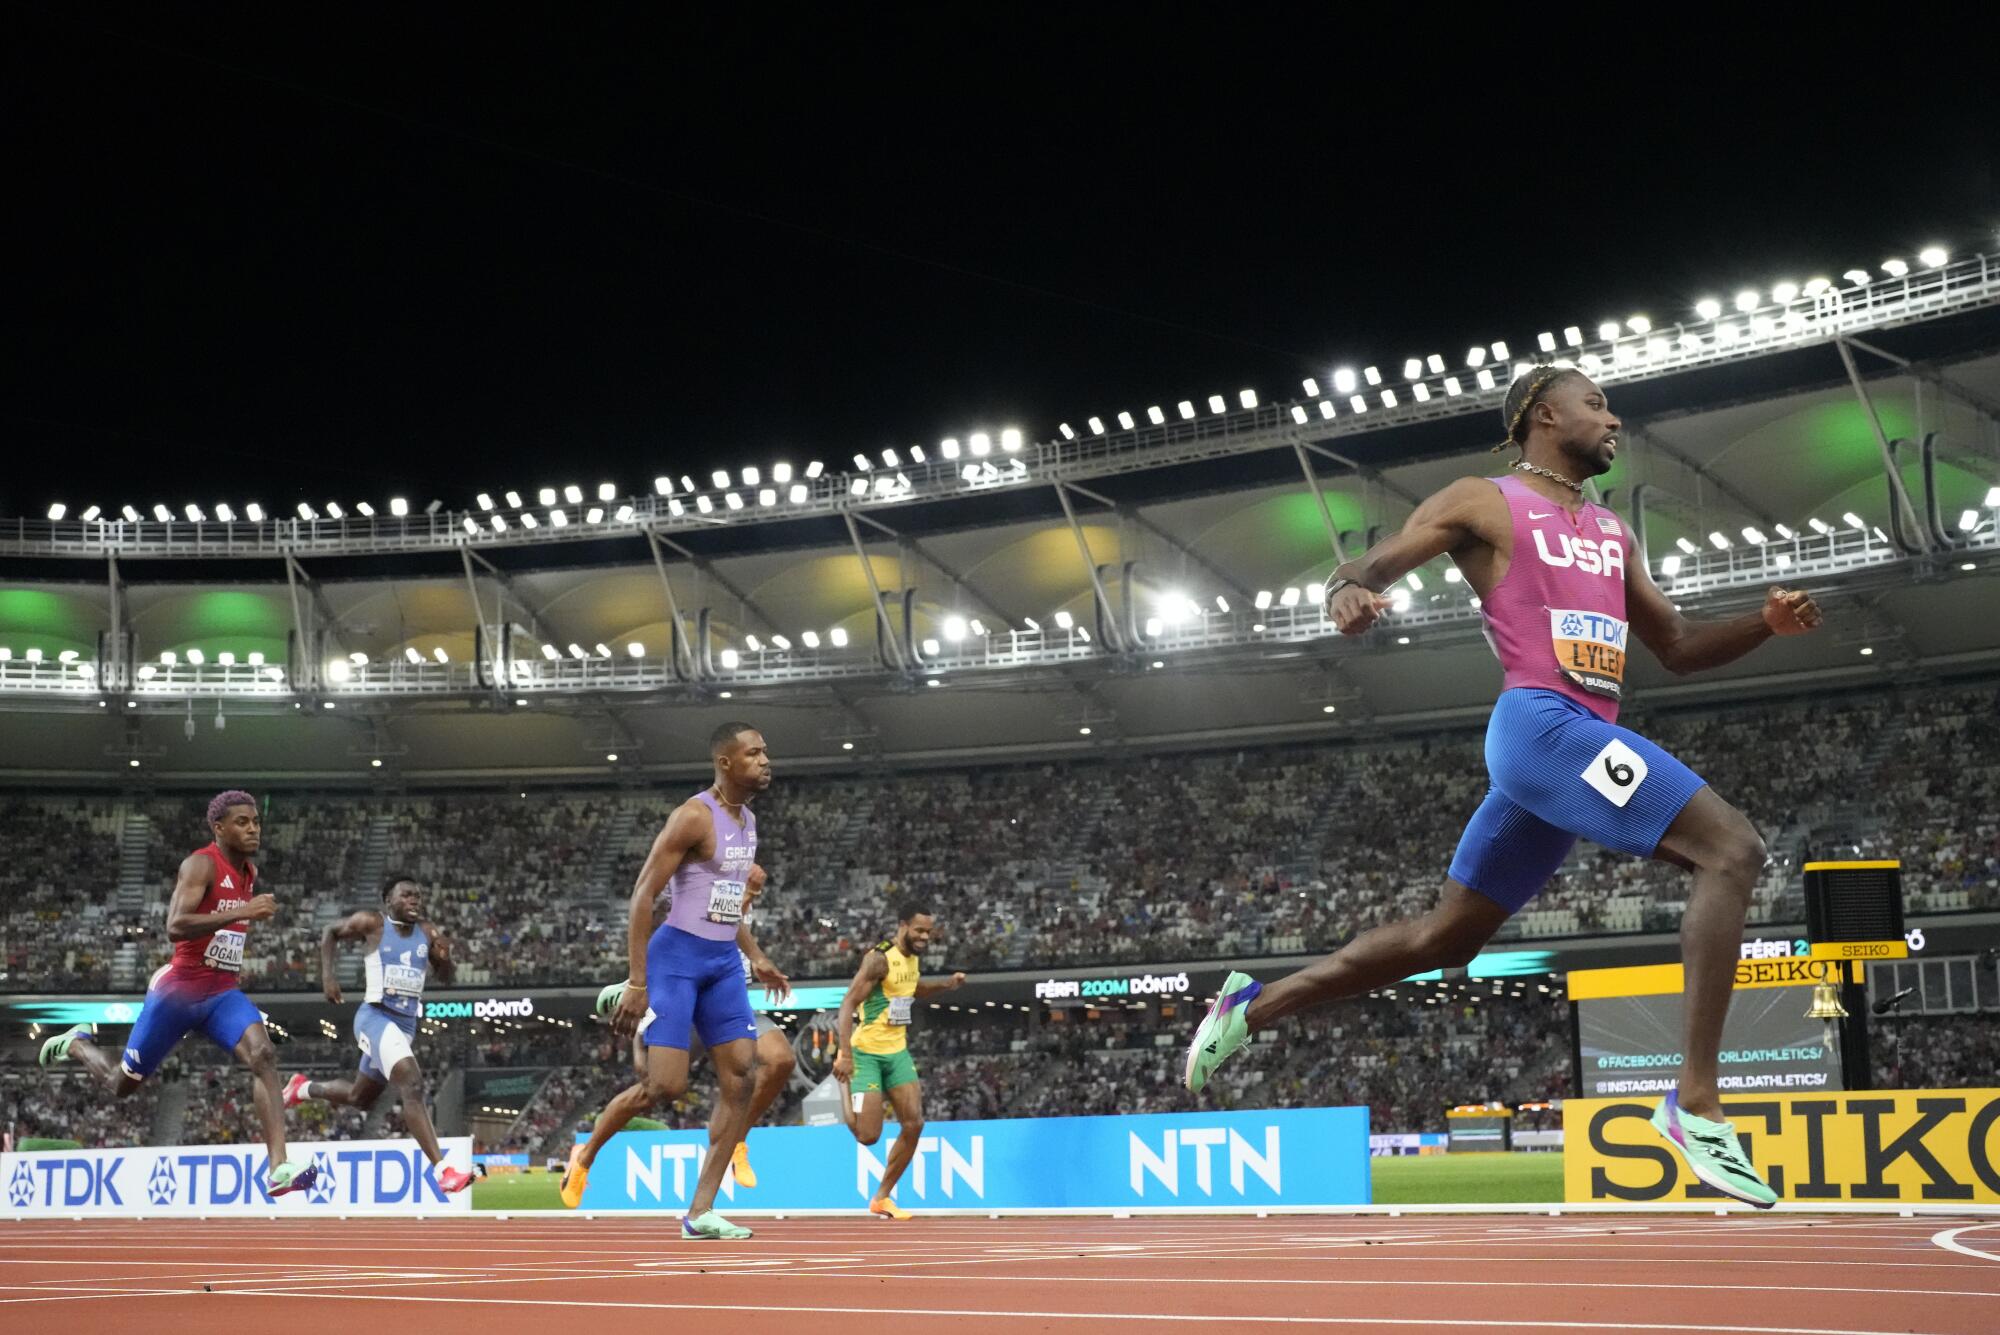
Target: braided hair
[[1525, 393]]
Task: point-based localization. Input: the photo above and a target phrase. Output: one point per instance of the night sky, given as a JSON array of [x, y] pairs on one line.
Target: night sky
[[258, 259]]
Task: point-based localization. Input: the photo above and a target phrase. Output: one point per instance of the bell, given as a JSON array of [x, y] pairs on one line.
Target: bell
[[1826, 1003]]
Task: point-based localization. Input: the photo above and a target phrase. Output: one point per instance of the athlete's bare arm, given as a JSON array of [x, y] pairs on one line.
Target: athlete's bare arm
[[774, 979], [689, 830], [1467, 515], [874, 968], [1690, 646], [364, 926], [184, 924], [443, 963], [931, 989]]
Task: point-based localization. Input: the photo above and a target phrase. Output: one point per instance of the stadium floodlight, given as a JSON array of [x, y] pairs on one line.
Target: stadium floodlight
[[982, 444], [1895, 268], [838, 637], [781, 473], [809, 638], [1344, 381], [1934, 257], [254, 513], [1499, 350], [222, 512], [131, 515], [1853, 521], [1356, 402], [1815, 286], [1031, 623], [499, 523], [734, 501], [547, 495], [1372, 374], [859, 486], [948, 447], [256, 658], [767, 496], [558, 519], [1687, 546], [890, 459], [573, 494], [635, 649], [978, 627], [1786, 533], [1155, 416], [7, 656], [674, 507], [1068, 431], [1785, 293], [1399, 601], [1485, 378], [780, 642], [1186, 408], [1452, 575], [1544, 340], [1690, 342], [1993, 496], [1858, 277], [624, 514], [797, 495], [1818, 525], [89, 514], [1010, 440], [338, 670], [729, 660], [606, 491], [194, 656], [1125, 421], [364, 509], [1708, 308], [58, 510], [1310, 385], [1572, 336], [576, 651], [1746, 301], [1326, 409], [1315, 594], [756, 646], [1289, 598], [1064, 620], [1968, 521], [528, 520], [305, 511], [1415, 582], [410, 652], [931, 649], [358, 658], [603, 649], [1608, 330], [400, 506], [513, 499], [1436, 363], [469, 524], [1096, 425], [704, 504], [1222, 604], [663, 485], [1247, 398], [1262, 600], [1718, 541], [1475, 358], [333, 510], [954, 628], [1153, 627], [1452, 388], [1299, 413], [1388, 398], [1754, 536]]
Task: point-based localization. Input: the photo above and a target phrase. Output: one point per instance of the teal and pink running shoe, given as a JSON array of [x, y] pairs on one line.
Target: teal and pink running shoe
[[1712, 1153], [1222, 1031]]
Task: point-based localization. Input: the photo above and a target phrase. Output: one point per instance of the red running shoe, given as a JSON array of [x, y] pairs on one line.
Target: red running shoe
[[451, 1181], [295, 1090]]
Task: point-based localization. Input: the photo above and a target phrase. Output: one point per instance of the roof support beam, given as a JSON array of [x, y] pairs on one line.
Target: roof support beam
[[1138, 516], [1107, 615], [1375, 475], [958, 579], [1931, 375], [885, 625], [1319, 503], [1641, 436], [709, 571], [1897, 492], [512, 590], [677, 639]]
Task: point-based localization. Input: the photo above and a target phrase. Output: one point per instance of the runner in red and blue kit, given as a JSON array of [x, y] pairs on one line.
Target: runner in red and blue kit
[[215, 900], [1557, 577]]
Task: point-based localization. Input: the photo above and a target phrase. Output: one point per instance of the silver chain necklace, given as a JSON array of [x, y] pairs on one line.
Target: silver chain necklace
[[1526, 467]]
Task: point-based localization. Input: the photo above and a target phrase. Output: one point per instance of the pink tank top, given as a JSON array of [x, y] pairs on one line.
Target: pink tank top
[[706, 898], [1556, 620]]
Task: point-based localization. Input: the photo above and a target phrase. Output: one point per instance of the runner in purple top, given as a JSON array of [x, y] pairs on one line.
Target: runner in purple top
[[687, 975], [1556, 574]]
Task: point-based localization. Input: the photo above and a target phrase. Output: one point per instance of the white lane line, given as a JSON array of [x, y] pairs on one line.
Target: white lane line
[[1457, 1323], [1949, 1240]]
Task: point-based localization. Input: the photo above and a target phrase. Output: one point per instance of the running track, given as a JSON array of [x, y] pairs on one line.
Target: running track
[[1847, 1275]]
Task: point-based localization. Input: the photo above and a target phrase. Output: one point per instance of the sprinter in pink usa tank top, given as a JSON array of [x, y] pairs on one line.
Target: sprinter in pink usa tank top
[[1562, 593]]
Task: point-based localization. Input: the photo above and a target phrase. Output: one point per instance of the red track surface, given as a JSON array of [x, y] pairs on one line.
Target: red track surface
[[1785, 1273]]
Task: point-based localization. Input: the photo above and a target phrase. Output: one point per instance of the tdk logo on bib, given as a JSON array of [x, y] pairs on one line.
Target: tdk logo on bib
[[1589, 556]]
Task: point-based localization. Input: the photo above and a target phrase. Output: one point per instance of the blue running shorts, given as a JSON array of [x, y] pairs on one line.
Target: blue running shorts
[[384, 1039], [694, 984], [1560, 772], [170, 1012]]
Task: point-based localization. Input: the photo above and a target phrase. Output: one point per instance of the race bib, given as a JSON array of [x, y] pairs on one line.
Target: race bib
[[1616, 772], [725, 901], [1590, 650], [403, 980], [899, 1010], [224, 952]]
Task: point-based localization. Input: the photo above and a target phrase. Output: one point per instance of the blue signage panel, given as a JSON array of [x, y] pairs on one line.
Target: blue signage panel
[[1188, 1161]]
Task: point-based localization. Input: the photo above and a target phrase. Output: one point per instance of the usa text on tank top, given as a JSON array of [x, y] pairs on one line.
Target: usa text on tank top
[[211, 963], [397, 967], [1556, 620], [706, 898]]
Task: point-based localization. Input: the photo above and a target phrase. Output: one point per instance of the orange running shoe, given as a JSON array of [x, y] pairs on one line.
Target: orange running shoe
[[739, 1160], [887, 1208]]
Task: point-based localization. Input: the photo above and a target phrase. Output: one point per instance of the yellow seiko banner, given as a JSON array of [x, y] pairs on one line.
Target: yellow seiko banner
[[1919, 1147]]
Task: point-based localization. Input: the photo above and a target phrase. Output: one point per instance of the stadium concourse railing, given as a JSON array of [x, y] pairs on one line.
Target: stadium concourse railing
[[1845, 558], [982, 467]]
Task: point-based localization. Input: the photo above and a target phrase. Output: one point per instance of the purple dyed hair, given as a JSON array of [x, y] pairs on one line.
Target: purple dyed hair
[[221, 803]]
